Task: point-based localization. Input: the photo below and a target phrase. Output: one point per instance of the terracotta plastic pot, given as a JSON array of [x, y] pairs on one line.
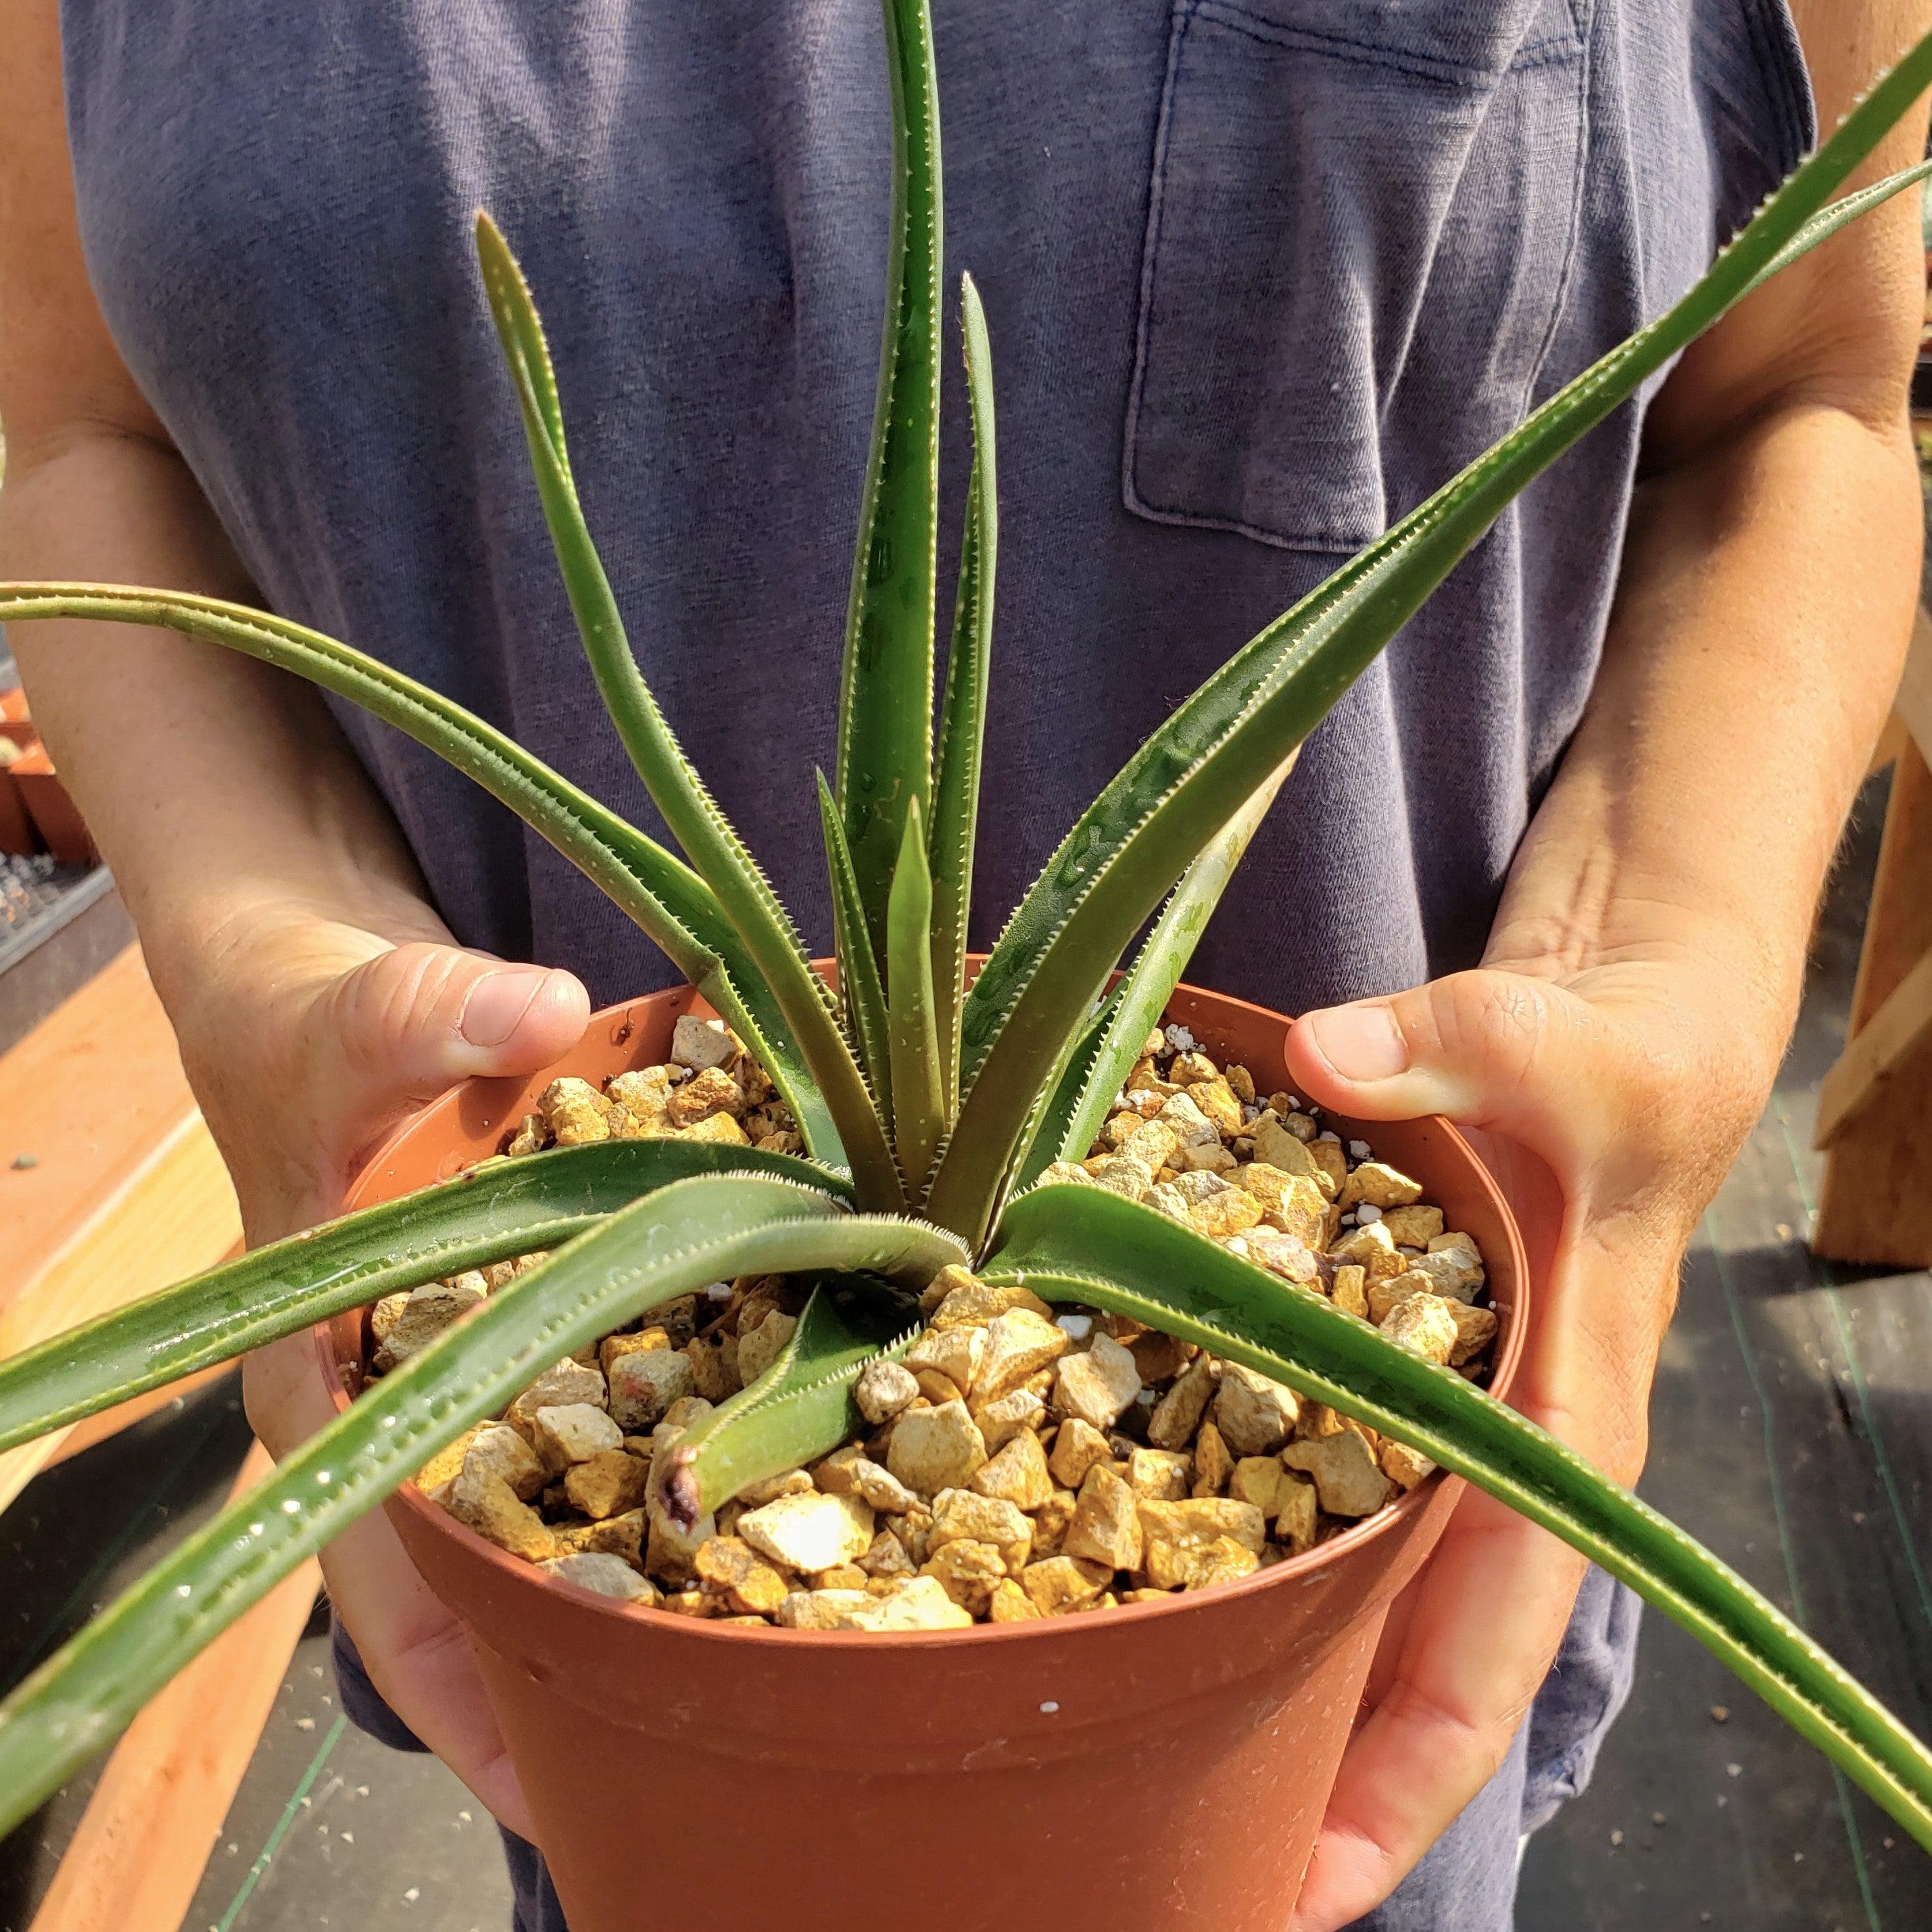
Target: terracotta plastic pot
[[1163, 1766], [52, 812]]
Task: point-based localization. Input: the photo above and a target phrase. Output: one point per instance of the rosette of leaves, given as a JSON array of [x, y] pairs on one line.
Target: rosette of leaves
[[928, 1106]]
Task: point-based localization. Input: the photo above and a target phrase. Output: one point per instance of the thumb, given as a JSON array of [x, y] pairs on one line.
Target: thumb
[[398, 1029], [1522, 1057]]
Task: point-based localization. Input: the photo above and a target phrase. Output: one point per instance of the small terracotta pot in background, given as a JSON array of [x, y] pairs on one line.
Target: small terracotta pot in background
[[1157, 1767], [52, 812]]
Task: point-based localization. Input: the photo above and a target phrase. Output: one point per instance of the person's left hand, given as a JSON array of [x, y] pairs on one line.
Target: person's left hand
[[1610, 1103]]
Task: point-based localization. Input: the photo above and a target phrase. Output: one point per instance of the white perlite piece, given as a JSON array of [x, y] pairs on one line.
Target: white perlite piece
[[699, 1044], [809, 1533]]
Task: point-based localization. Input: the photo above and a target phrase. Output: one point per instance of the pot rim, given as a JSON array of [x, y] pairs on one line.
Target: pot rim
[[519, 1574]]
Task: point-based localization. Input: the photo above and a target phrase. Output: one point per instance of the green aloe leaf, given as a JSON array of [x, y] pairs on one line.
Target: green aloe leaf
[[667, 899], [1140, 997], [1828, 221], [860, 988], [1076, 1243], [1053, 1130], [669, 1243], [708, 838], [962, 723], [800, 1408], [1195, 772], [885, 704], [503, 1209], [918, 1106]]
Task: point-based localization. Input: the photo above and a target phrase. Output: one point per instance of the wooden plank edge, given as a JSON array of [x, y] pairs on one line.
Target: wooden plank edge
[[1874, 1053], [1913, 704], [181, 1218]]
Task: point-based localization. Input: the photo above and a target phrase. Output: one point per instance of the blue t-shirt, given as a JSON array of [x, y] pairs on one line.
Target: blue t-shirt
[[1258, 276]]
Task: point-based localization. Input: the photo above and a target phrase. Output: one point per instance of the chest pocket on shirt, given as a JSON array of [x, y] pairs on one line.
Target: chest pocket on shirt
[[1346, 194]]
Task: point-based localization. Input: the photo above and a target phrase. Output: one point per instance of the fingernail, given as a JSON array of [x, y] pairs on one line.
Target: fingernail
[[497, 1003], [1360, 1042]]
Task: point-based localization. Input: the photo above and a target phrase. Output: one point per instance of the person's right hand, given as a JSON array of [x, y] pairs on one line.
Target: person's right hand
[[306, 1041]]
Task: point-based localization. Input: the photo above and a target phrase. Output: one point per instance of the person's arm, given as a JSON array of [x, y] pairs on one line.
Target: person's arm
[[232, 810], [317, 994], [1643, 975]]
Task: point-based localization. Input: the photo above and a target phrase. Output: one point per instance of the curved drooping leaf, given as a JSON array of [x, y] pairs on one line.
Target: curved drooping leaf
[[710, 840], [503, 1209], [1077, 1243], [885, 699], [919, 1106], [667, 899], [1194, 773], [962, 721], [801, 1407], [860, 988], [669, 1243]]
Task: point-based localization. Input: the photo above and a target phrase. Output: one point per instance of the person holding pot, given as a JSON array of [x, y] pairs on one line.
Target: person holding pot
[[1260, 275]]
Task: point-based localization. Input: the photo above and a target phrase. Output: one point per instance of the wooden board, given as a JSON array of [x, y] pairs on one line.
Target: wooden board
[[1883, 1049], [1876, 1204], [1912, 706], [135, 1862], [126, 1193]]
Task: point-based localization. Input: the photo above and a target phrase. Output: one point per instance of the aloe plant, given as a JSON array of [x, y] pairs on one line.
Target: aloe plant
[[929, 1108]]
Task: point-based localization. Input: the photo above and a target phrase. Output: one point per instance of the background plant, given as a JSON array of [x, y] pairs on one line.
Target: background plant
[[928, 1107]]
